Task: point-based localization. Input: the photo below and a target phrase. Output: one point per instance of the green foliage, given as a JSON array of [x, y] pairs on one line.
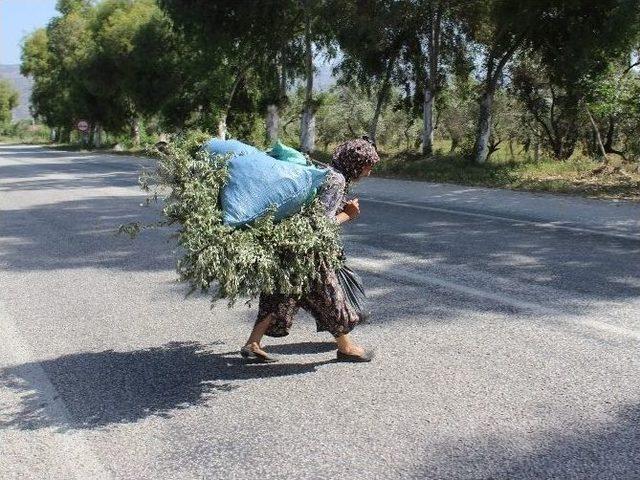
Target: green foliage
[[175, 65], [266, 256], [25, 132], [8, 100], [547, 174]]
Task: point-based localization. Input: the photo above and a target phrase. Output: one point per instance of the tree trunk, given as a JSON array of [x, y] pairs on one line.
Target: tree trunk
[[407, 137], [494, 70], [598, 138], [308, 121], [431, 80], [373, 129], [427, 130], [222, 126], [91, 135], [382, 97], [455, 141], [608, 144], [273, 121], [481, 149], [376, 118], [222, 120], [308, 131], [54, 134], [97, 137], [135, 132]]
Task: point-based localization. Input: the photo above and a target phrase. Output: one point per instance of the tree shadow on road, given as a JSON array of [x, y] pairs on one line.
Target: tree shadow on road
[[80, 233], [84, 233], [99, 389], [607, 451]]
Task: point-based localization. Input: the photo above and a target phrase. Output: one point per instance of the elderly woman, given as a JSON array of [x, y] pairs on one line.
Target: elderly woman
[[326, 300]]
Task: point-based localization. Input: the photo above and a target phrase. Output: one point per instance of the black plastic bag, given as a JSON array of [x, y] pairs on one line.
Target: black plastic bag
[[353, 290]]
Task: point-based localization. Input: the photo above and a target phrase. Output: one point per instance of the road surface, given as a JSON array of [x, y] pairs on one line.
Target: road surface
[[507, 328]]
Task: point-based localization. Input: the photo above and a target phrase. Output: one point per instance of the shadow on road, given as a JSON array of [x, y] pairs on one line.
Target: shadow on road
[[79, 233], [99, 389], [302, 348], [83, 233], [606, 451]]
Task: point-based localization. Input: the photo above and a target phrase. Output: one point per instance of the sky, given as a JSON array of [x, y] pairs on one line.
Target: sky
[[19, 18]]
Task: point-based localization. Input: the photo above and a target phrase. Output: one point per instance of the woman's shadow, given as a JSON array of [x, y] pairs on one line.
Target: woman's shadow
[[97, 389]]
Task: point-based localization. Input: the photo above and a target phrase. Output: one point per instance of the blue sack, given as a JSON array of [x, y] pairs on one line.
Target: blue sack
[[217, 146], [258, 182]]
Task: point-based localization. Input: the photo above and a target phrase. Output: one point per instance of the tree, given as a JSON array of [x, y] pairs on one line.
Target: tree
[[57, 58], [372, 36], [116, 72], [317, 36], [553, 107], [235, 35], [8, 100], [437, 47], [574, 40], [500, 28]]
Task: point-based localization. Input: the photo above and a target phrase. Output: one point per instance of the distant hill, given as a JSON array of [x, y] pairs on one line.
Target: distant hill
[[23, 85]]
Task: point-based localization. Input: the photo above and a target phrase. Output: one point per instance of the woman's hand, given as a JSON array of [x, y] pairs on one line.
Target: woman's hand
[[352, 208]]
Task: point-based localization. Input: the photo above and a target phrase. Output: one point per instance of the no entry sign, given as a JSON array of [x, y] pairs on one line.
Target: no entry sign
[[83, 125]]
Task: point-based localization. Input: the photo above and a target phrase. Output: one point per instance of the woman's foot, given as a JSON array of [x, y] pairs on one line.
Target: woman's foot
[[350, 352], [362, 356], [253, 351], [351, 349]]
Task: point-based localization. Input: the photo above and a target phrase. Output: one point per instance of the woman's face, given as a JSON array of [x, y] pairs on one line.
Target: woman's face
[[366, 171]]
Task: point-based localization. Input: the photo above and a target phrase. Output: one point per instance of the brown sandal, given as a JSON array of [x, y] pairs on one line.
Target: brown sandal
[[367, 356], [256, 357]]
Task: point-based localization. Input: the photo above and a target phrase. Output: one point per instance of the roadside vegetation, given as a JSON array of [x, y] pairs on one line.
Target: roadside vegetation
[[525, 95], [578, 176]]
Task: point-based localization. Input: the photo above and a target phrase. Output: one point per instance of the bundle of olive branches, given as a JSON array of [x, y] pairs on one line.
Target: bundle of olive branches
[[230, 262]]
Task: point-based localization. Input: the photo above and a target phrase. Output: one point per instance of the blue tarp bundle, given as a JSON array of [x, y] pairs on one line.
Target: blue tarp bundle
[[258, 182]]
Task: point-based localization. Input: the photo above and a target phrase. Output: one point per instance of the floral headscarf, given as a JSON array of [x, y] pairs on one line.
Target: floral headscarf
[[351, 157]]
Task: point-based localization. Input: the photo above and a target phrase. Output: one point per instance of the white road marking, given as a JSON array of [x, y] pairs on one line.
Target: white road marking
[[388, 269], [548, 225], [73, 450]]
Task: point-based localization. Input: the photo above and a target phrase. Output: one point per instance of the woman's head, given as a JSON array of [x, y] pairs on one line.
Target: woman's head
[[355, 158]]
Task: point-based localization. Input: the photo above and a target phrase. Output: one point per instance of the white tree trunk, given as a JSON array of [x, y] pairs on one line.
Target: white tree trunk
[[135, 132], [481, 152], [308, 131], [308, 121], [427, 130], [222, 127], [273, 123]]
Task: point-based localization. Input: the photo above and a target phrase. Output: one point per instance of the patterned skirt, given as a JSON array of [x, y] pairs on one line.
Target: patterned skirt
[[326, 302]]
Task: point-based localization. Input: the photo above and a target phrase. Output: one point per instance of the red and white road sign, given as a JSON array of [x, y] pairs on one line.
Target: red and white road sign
[[83, 126]]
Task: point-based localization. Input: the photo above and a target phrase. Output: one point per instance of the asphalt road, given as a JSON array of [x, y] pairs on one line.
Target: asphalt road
[[507, 328]]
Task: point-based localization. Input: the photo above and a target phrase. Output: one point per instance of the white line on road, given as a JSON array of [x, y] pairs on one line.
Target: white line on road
[[71, 448], [548, 225], [389, 270]]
